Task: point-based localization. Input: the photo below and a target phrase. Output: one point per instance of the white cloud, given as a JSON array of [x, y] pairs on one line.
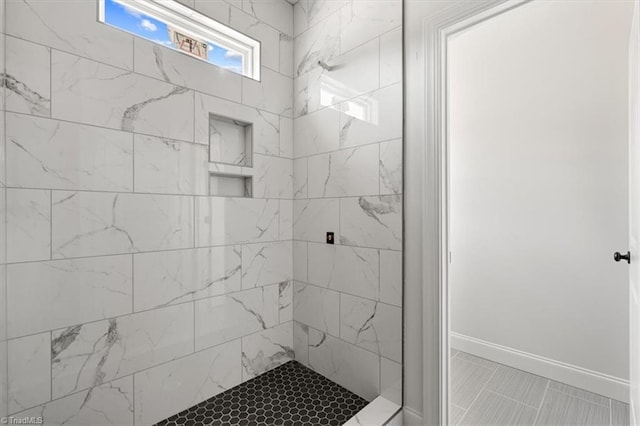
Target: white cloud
[[148, 25], [131, 11], [232, 55]]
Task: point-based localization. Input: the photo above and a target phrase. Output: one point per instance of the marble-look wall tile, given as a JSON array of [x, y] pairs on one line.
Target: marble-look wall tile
[[93, 93], [286, 219], [43, 153], [266, 350], [167, 389], [312, 219], [355, 72], [316, 133], [317, 307], [372, 221], [84, 356], [383, 122], [268, 263], [320, 43], [345, 173], [29, 372], [391, 57], [371, 325], [174, 67], [391, 380], [277, 13], [224, 318], [53, 289], [107, 404], [27, 85], [274, 92], [391, 167], [71, 27], [28, 216], [170, 167], [346, 269], [286, 55], [300, 249], [301, 342], [286, 301], [86, 223], [348, 365], [224, 221], [391, 277], [170, 277], [265, 126], [300, 178], [273, 177], [311, 91], [3, 379], [3, 309], [362, 21], [286, 137]]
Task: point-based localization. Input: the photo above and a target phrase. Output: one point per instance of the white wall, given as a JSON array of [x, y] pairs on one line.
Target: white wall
[[538, 136]]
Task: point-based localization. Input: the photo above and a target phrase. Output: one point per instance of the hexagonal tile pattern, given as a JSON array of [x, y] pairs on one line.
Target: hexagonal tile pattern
[[290, 394]]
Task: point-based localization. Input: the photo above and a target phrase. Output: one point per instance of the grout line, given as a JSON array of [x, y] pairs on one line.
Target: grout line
[[509, 398], [476, 397]]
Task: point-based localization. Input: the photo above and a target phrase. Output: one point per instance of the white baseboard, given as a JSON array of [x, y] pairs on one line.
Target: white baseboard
[[593, 381]]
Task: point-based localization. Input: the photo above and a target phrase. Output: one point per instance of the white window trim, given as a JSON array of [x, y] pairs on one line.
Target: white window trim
[[199, 26]]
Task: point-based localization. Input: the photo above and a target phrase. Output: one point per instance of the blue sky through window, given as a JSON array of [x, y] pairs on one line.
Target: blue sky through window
[[154, 30]]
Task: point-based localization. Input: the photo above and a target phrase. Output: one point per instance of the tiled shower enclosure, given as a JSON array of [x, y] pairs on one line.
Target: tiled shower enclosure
[[134, 282]]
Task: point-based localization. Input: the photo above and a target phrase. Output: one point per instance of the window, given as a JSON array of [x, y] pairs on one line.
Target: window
[[180, 28]]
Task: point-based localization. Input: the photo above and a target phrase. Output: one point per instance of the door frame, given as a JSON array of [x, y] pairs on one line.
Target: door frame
[[427, 191]]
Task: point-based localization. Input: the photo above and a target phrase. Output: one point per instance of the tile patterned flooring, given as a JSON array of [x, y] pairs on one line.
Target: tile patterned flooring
[[487, 393]]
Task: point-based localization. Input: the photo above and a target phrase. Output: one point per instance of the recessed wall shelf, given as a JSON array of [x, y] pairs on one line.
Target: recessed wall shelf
[[230, 185], [230, 141]]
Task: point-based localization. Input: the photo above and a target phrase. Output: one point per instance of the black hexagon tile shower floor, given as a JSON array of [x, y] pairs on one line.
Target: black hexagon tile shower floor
[[290, 394]]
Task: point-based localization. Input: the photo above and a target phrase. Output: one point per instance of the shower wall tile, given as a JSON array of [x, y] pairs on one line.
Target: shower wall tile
[[225, 318], [3, 379], [266, 126], [276, 13], [321, 43], [355, 72], [286, 55], [273, 92], [371, 325], [264, 264], [29, 370], [345, 269], [391, 277], [300, 249], [224, 221], [350, 366], [391, 58], [372, 221], [53, 289], [317, 307], [170, 388], [85, 355], [391, 380], [28, 225], [362, 21], [301, 342], [91, 224], [286, 137], [316, 133], [308, 93], [313, 218], [93, 93], [27, 85], [344, 173], [391, 167], [286, 219], [300, 178], [107, 404], [286, 301], [172, 277], [382, 122], [174, 67], [266, 350], [273, 177], [170, 167], [73, 28], [43, 153]]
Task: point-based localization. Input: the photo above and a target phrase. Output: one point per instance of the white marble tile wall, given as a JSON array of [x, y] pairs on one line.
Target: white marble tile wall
[[347, 179], [124, 279]]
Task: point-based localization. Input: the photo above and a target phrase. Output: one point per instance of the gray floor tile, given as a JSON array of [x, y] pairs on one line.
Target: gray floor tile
[[494, 410], [453, 353], [562, 409], [467, 379], [519, 385], [455, 414], [579, 393], [619, 413], [480, 361]]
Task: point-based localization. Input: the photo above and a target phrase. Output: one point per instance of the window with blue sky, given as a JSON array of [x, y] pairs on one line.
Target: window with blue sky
[[150, 28]]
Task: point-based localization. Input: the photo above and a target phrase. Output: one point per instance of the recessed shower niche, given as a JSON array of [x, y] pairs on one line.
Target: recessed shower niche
[[230, 157]]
